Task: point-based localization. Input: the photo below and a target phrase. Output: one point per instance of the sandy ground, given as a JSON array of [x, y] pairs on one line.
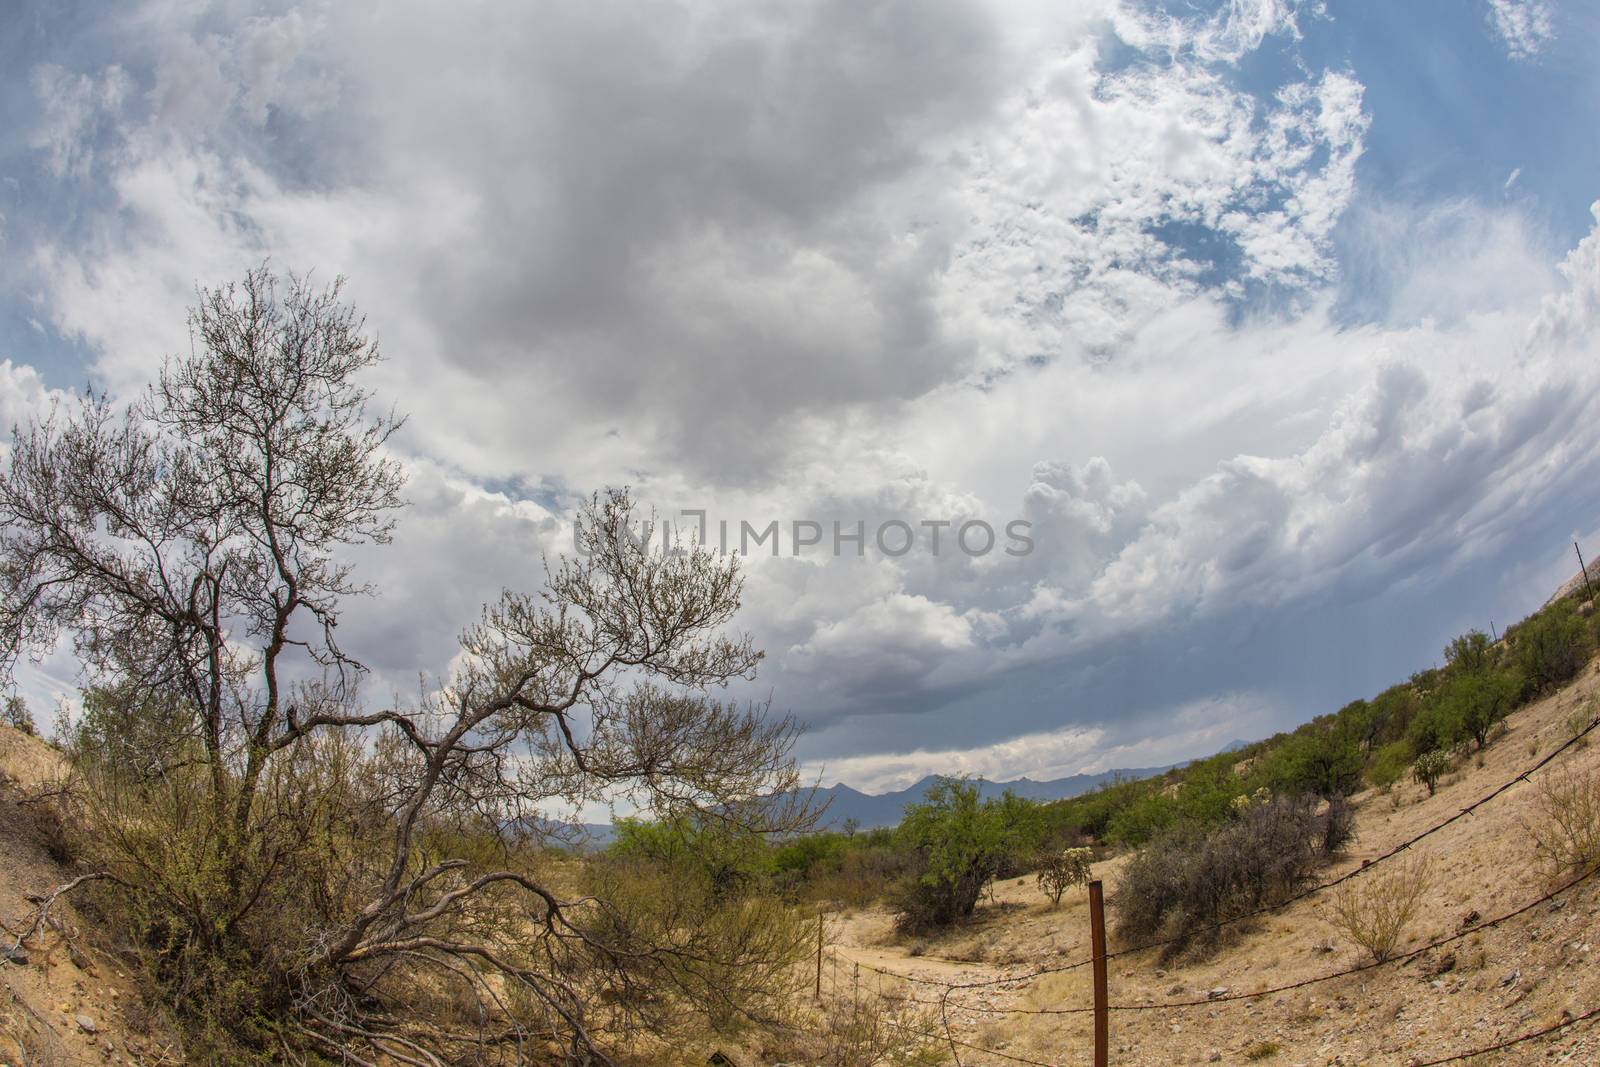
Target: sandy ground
[[69, 1004], [1496, 983]]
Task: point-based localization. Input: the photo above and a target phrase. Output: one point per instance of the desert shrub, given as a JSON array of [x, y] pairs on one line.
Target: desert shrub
[[1550, 647], [1185, 883], [866, 873], [1208, 790], [1374, 910], [1469, 653], [1323, 761], [1472, 704], [729, 858], [1430, 767], [959, 843], [729, 955], [860, 1025], [1565, 828], [1090, 815], [1388, 715], [1578, 720], [1338, 825], [1145, 817], [1390, 764], [18, 717], [1061, 869]]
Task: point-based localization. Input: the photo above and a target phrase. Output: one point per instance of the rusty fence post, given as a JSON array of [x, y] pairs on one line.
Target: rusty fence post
[[819, 954], [1097, 941]]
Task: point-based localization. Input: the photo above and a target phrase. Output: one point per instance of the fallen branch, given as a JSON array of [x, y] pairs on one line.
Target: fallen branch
[[45, 902]]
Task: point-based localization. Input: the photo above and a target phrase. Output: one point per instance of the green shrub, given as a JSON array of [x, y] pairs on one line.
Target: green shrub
[[18, 717], [959, 843], [1323, 761], [728, 859], [1472, 704], [1550, 647], [1147, 817], [1061, 869], [1469, 653], [1430, 767], [1390, 764]]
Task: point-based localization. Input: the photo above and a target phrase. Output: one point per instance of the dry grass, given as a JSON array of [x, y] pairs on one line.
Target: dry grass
[[1374, 912], [1566, 826]]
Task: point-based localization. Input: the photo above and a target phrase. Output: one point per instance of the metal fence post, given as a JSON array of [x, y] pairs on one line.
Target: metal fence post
[[1097, 940]]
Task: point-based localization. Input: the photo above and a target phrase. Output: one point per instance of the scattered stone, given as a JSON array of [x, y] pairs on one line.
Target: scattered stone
[[1511, 978], [79, 960], [1470, 918], [1445, 964], [17, 955], [86, 1024], [1220, 991]]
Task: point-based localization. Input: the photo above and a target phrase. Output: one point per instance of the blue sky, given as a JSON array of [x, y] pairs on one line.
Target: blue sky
[[1275, 320]]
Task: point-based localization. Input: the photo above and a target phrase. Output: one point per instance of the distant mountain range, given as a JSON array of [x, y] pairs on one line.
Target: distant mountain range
[[871, 810]]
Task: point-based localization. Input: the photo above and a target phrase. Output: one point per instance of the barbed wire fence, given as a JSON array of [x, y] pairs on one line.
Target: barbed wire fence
[[946, 1034]]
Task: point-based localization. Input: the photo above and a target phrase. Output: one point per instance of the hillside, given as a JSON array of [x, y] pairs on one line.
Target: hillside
[[66, 1002], [1530, 972]]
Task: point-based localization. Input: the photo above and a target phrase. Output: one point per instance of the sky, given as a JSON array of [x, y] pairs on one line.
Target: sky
[[1262, 334]]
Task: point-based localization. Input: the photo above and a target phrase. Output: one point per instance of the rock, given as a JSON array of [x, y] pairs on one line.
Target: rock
[[1445, 964], [1470, 919], [1510, 978], [86, 1024], [1220, 991], [17, 955], [1215, 1057]]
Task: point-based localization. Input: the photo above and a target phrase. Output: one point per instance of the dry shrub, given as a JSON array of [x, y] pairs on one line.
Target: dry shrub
[[1566, 826], [1183, 885], [863, 1026], [1374, 910], [1061, 869], [1578, 720]]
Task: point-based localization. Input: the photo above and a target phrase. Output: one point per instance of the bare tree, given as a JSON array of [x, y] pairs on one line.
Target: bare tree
[[191, 545]]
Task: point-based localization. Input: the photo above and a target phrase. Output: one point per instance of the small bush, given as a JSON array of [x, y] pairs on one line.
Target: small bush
[[19, 717], [1390, 765], [1061, 869], [1338, 825], [861, 1026], [1430, 767], [1374, 910], [1566, 827], [1578, 720], [1262, 1050]]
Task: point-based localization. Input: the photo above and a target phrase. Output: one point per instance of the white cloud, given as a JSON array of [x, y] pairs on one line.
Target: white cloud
[[947, 261], [1524, 26], [1199, 726]]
